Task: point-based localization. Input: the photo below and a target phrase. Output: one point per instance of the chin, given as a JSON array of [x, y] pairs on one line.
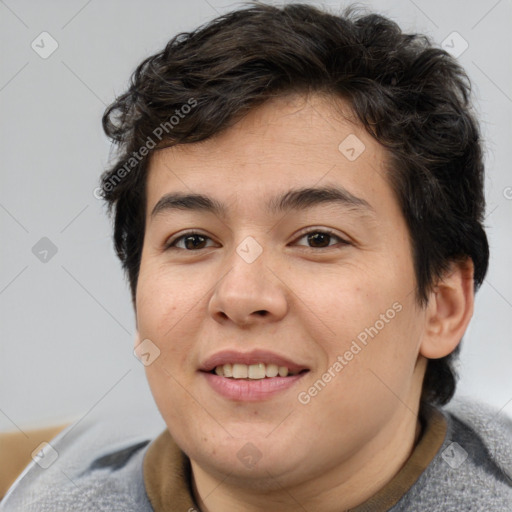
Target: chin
[[265, 473], [249, 457]]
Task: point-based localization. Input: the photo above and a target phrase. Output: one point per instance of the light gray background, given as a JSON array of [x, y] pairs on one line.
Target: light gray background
[[67, 325]]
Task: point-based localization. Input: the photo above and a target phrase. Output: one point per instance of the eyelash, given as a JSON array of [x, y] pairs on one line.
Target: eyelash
[[172, 244]]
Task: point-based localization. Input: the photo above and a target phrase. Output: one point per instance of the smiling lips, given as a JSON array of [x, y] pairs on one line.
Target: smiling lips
[[241, 365], [253, 376]]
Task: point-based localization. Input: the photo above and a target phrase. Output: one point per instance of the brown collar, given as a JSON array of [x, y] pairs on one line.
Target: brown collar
[[167, 474]]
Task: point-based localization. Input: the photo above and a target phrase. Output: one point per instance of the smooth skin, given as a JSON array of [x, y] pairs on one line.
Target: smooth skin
[[305, 298]]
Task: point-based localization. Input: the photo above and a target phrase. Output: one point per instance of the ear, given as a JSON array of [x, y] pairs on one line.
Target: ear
[[449, 310]]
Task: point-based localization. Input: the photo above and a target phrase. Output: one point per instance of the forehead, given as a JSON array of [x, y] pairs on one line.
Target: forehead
[[288, 142]]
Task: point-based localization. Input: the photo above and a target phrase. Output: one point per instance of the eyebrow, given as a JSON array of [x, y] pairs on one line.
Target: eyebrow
[[295, 199]]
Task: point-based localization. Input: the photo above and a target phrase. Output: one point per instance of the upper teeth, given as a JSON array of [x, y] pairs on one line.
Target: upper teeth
[[251, 371]]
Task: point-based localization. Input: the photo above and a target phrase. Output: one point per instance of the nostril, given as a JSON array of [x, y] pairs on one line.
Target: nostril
[[261, 312]]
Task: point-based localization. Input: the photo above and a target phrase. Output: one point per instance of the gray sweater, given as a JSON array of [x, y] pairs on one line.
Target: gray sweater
[[97, 466]]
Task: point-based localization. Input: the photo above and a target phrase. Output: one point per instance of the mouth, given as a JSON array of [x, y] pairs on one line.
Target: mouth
[[257, 364], [254, 376]]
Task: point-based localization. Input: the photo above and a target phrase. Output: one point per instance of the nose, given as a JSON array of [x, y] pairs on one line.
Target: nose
[[249, 293]]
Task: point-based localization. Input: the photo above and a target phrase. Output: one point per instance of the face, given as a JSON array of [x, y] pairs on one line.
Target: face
[[296, 260]]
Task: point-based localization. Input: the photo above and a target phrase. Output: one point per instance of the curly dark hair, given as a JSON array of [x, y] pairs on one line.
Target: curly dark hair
[[412, 97]]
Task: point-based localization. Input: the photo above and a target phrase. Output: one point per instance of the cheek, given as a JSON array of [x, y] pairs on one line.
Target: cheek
[[348, 301], [165, 296], [386, 363], [374, 318], [166, 311]]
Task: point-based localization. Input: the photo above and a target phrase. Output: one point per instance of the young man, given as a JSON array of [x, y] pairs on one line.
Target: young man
[[298, 205]]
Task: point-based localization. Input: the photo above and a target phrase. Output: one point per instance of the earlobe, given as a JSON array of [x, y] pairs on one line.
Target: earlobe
[[449, 311]]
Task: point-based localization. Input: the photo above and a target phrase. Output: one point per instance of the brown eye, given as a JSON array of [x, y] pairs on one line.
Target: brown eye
[[189, 241], [194, 242], [321, 239]]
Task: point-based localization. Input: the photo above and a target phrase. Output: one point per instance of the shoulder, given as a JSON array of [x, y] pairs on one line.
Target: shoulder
[[92, 465], [490, 426], [473, 469]]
